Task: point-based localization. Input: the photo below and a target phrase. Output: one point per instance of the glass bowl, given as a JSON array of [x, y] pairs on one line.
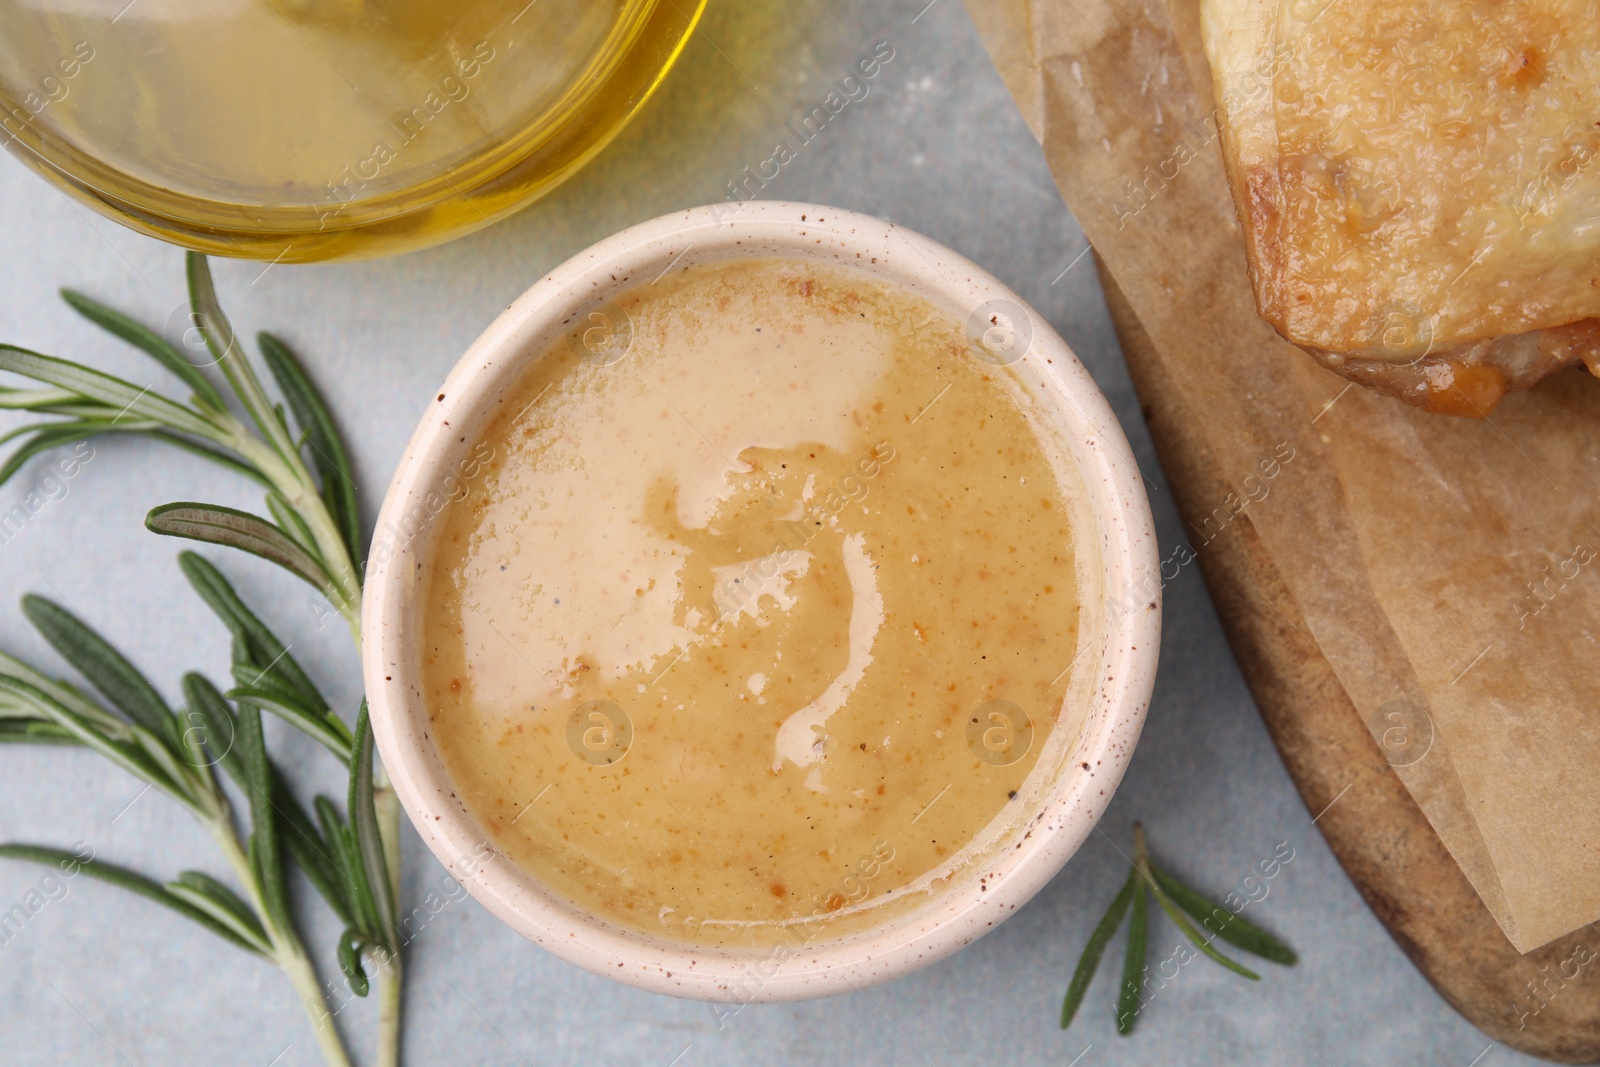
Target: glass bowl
[[300, 130]]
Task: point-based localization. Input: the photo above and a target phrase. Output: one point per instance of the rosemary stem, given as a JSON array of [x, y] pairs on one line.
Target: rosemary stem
[[280, 461], [390, 973], [297, 966], [386, 805], [342, 571], [292, 481], [1141, 851], [287, 952]]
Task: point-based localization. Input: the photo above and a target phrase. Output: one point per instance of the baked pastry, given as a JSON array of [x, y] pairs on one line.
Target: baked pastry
[[1419, 185]]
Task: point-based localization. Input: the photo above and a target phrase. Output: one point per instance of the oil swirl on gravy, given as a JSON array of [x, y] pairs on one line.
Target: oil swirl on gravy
[[798, 534]]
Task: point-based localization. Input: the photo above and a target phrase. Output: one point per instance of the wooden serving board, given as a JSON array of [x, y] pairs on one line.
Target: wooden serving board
[[1376, 830]]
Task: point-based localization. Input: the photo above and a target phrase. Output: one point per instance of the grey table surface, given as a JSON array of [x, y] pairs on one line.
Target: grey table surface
[[98, 977]]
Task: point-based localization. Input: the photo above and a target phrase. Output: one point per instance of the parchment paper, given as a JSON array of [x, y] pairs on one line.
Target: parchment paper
[[1448, 569]]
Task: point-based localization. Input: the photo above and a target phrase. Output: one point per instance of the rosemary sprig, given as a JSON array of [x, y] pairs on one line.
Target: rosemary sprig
[[317, 534], [344, 861], [146, 738], [1171, 895], [313, 531]]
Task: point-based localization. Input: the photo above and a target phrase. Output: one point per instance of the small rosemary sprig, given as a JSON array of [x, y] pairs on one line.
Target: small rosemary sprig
[[175, 753], [1174, 898], [315, 533]]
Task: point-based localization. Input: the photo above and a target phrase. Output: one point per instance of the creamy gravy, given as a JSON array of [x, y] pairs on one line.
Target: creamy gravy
[[755, 608]]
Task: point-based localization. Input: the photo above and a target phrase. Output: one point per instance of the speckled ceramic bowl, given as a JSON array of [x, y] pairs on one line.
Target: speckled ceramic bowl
[[1079, 765]]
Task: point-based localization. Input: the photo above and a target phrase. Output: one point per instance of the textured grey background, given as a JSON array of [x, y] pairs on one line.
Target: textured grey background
[[98, 977]]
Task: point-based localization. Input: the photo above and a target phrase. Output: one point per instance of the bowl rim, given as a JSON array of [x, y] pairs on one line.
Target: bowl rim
[[1033, 852]]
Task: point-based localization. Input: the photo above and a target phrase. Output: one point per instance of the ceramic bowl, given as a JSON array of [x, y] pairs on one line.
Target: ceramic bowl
[[1071, 783]]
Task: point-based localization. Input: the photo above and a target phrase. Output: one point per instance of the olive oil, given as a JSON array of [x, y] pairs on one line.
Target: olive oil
[[303, 130]]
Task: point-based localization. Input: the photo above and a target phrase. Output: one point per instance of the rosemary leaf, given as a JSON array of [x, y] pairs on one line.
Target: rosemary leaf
[[265, 859], [121, 396], [51, 435], [336, 832], [36, 399], [230, 355], [264, 649], [50, 733], [82, 427], [1089, 962], [106, 419], [366, 908], [1200, 942], [16, 711], [46, 436], [64, 693], [350, 963], [319, 859], [248, 674], [1133, 963], [105, 668], [329, 820], [196, 756], [317, 856], [328, 454], [217, 729], [222, 904], [124, 754], [292, 524], [323, 728], [123, 878], [171, 763], [1232, 928], [218, 525], [364, 820], [146, 339], [34, 732], [364, 913]]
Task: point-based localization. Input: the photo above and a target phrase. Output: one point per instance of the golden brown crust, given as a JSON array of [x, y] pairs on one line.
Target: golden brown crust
[[1469, 380], [1419, 185]]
